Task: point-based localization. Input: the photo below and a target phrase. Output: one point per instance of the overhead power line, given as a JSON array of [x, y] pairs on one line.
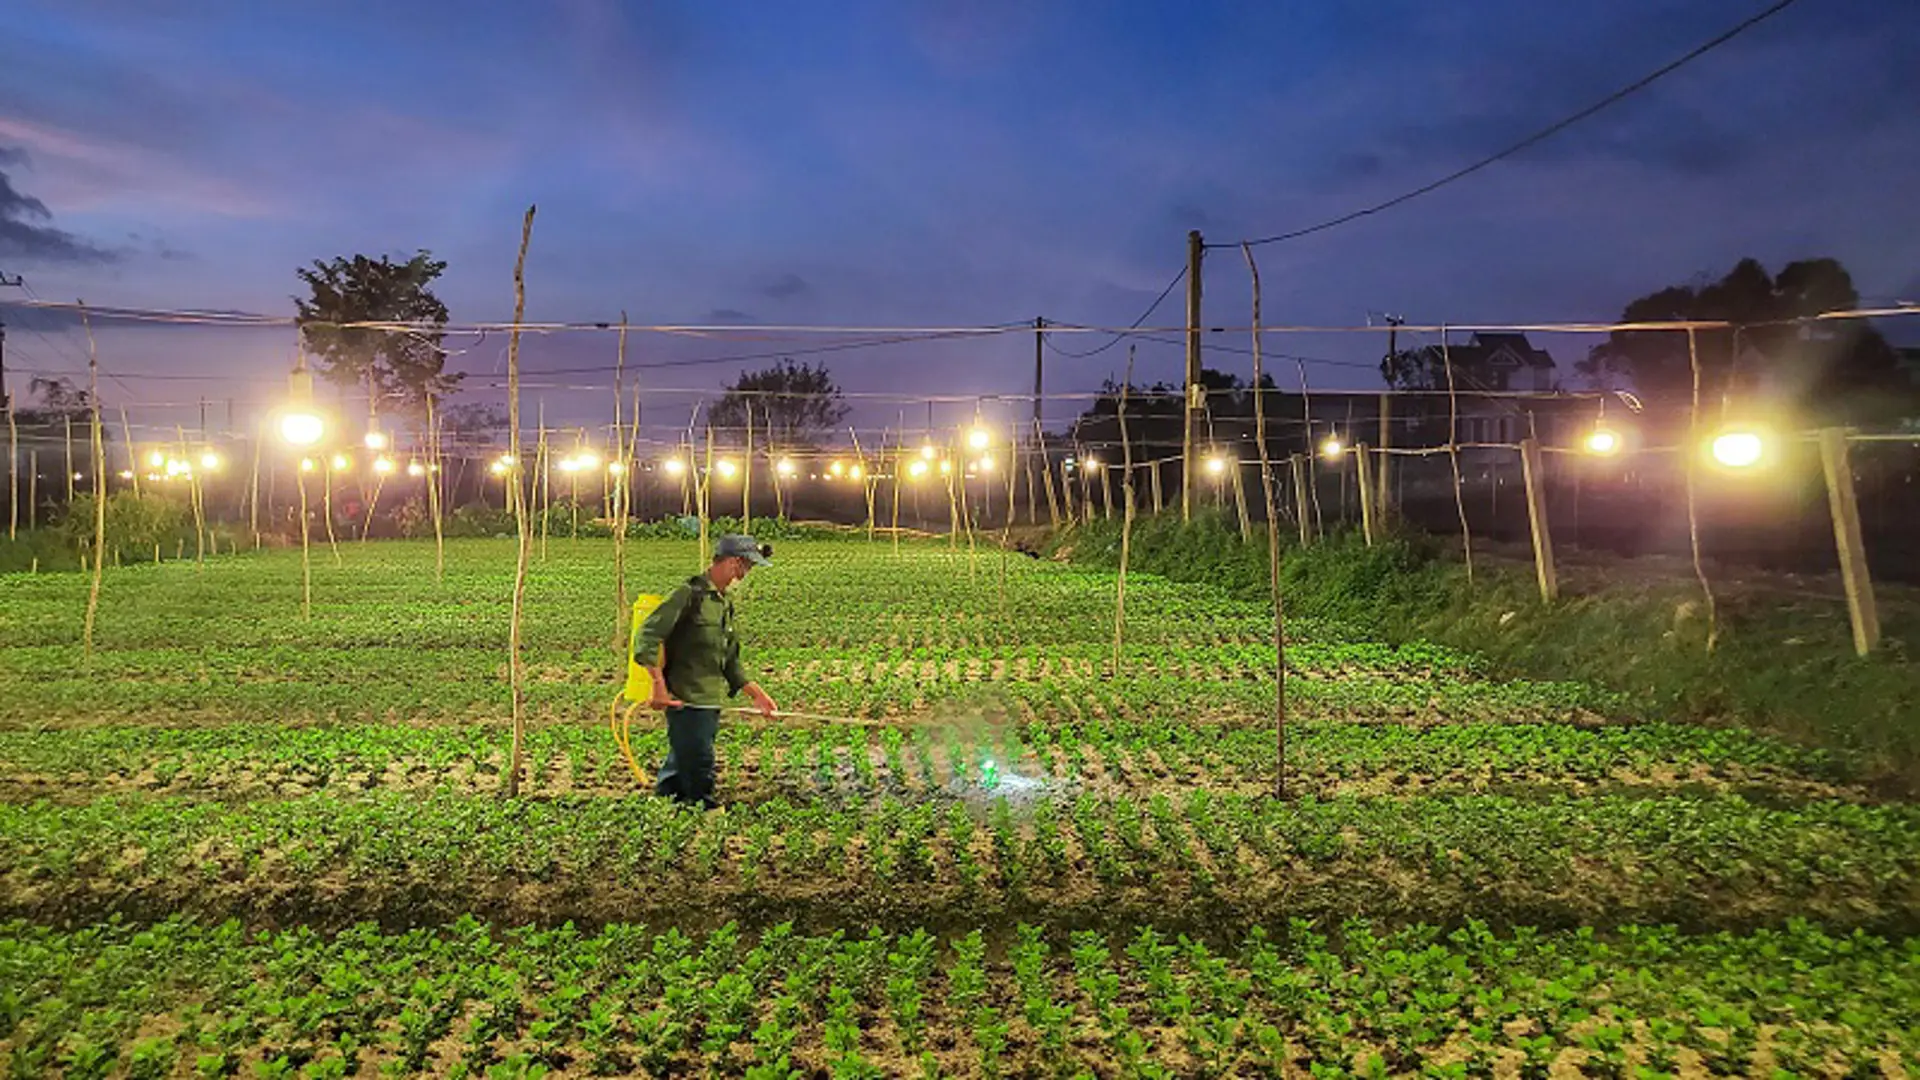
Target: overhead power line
[[1539, 136], [1135, 325]]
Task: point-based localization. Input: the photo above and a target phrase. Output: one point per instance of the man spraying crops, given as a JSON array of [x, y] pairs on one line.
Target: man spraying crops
[[702, 668]]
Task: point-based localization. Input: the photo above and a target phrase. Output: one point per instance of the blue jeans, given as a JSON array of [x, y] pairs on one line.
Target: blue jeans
[[687, 774]]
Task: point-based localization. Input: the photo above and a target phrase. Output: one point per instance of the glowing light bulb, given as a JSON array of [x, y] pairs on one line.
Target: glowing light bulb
[[946, 468], [210, 461], [341, 463], [157, 460], [1216, 465], [497, 469], [382, 465], [306, 464], [674, 466], [985, 463], [837, 469], [1603, 442], [856, 472], [1332, 448], [586, 459], [927, 452], [415, 469], [727, 468], [616, 468], [785, 467], [917, 469], [1092, 462], [569, 464], [376, 439], [979, 438]]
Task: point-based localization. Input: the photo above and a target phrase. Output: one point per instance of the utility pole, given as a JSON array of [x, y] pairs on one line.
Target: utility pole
[[1383, 477], [15, 282], [1195, 250]]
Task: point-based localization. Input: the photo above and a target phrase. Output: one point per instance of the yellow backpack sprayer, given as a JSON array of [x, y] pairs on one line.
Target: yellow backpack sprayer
[[639, 687]]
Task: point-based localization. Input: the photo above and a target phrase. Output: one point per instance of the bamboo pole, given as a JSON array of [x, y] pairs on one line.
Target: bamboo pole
[[1046, 471], [433, 494], [899, 463], [1532, 472], [704, 496], [516, 666], [99, 486], [1383, 476], [1363, 466], [13, 474], [1126, 517], [866, 477], [1453, 452], [542, 477], [199, 504], [1298, 467], [1240, 503], [33, 491], [1273, 542], [253, 482], [306, 548], [1693, 508], [133, 458], [1862, 611], [623, 453], [326, 508], [1153, 480], [67, 472]]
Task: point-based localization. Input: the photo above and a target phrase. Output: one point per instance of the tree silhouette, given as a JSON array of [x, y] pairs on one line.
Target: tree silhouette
[[794, 405], [404, 365]]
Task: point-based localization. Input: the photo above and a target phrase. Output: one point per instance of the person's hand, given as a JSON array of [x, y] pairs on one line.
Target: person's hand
[[661, 701], [762, 701]]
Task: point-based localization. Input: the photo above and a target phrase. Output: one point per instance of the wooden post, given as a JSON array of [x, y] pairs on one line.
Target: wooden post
[[1240, 504], [1453, 453], [99, 486], [516, 665], [13, 474], [133, 458], [1270, 508], [1532, 472], [746, 478], [1196, 250], [1126, 518], [1106, 494], [1153, 481], [1692, 457], [1861, 608], [67, 471], [1298, 466], [1363, 468], [306, 546], [1383, 476], [1046, 471], [433, 494], [33, 491]]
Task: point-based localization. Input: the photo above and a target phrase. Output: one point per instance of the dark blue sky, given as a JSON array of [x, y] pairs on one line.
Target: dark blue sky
[[930, 164]]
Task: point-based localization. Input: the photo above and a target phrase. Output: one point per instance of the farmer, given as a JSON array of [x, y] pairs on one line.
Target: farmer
[[702, 668]]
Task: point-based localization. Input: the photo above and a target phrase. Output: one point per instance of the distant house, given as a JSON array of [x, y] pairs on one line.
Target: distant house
[[1493, 363]]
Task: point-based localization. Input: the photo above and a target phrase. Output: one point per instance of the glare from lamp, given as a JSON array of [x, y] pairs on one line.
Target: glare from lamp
[[979, 438], [302, 428], [616, 468], [837, 469], [785, 467], [856, 472], [383, 465], [586, 459], [157, 459], [917, 469], [498, 468], [927, 452], [126, 474], [674, 466], [376, 439], [727, 468], [1739, 448], [569, 464], [210, 461], [986, 463], [1216, 465], [1332, 448], [415, 469], [306, 464], [946, 468], [1092, 462], [1602, 443]]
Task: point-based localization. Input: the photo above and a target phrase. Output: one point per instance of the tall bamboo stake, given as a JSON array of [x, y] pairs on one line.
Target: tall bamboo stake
[[746, 476], [199, 504], [516, 667], [705, 491], [899, 466], [1693, 510], [67, 472], [1126, 516], [1046, 471], [433, 494], [13, 474], [253, 482], [623, 453], [306, 549], [326, 508], [1453, 452], [133, 459], [99, 485], [1273, 543], [543, 478], [866, 476]]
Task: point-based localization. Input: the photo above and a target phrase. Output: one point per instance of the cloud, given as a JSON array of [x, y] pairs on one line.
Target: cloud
[[26, 230], [728, 316], [786, 287]]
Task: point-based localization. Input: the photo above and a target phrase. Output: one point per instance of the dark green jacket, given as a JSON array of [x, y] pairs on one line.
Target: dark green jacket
[[703, 652]]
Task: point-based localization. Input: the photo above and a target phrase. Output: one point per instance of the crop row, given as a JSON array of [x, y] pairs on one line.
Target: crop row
[[154, 1001], [924, 597], [1212, 858], [760, 761]]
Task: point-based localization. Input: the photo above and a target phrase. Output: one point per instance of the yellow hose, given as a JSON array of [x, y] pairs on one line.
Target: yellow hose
[[622, 727]]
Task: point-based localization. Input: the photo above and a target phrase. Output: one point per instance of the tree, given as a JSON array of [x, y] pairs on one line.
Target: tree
[[1824, 371], [794, 405], [402, 365]]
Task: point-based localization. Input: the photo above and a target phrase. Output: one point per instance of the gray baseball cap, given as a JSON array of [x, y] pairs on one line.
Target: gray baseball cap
[[745, 547]]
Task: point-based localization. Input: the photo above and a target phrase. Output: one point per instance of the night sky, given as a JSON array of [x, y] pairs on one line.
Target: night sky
[[914, 164]]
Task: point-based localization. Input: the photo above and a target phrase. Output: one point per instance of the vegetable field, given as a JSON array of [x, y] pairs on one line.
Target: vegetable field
[[237, 843]]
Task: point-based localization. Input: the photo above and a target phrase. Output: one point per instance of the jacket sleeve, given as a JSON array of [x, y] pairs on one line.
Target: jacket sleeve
[[659, 625]]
